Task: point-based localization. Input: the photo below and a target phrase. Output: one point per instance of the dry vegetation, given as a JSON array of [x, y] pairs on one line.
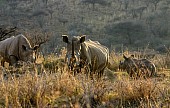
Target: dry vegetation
[[49, 84], [115, 23]]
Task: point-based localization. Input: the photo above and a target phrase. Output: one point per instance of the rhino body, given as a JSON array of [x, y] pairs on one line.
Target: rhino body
[[138, 67], [91, 53], [16, 49]]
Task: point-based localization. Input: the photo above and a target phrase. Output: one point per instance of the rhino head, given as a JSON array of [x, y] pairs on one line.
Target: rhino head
[[26, 52], [73, 50], [123, 65], [21, 50]]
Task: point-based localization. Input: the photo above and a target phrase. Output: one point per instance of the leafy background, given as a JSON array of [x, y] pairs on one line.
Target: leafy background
[[131, 24]]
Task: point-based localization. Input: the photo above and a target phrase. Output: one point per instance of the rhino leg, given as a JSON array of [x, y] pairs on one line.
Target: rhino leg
[[3, 62], [13, 61], [100, 74]]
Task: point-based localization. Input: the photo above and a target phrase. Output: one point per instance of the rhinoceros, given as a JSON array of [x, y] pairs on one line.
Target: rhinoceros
[[16, 49], [138, 67], [92, 53]]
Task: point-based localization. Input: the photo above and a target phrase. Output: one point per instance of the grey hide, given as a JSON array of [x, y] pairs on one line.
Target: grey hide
[[138, 67], [16, 48], [91, 52]]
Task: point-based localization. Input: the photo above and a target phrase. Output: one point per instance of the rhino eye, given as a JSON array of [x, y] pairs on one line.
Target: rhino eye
[[24, 47]]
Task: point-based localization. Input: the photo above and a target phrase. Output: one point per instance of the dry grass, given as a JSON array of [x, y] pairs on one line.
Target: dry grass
[[49, 84]]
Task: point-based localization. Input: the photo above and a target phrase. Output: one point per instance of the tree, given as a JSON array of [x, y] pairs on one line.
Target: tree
[[146, 2], [45, 1], [126, 3], [6, 32], [155, 3], [139, 11], [38, 38], [128, 31], [93, 2]]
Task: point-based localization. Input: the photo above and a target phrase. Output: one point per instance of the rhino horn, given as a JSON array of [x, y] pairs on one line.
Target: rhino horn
[[36, 47]]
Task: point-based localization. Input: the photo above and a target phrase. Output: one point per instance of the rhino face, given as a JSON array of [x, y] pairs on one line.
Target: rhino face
[[122, 66], [129, 64], [73, 50], [26, 52], [128, 61]]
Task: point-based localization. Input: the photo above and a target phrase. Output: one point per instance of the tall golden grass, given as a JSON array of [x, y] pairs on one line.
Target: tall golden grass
[[50, 84]]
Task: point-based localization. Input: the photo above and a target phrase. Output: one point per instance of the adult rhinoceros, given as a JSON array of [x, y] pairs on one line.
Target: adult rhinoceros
[[16, 49], [92, 53]]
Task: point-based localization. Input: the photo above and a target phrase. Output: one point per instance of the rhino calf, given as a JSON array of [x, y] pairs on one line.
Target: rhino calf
[[91, 53], [16, 49], [138, 68]]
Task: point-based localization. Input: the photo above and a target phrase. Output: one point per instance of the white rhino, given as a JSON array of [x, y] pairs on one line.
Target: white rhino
[[91, 52], [139, 67], [16, 49]]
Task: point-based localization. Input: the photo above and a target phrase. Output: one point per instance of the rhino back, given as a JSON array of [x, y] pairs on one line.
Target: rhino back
[[97, 53], [5, 47]]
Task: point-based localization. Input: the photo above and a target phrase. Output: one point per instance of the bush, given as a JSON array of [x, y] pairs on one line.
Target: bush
[[58, 89]]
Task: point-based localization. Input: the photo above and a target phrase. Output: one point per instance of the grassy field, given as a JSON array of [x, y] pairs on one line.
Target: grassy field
[[49, 84]]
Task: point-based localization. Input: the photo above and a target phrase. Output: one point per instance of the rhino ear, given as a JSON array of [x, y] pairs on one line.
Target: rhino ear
[[24, 47], [82, 38], [65, 38], [36, 47], [125, 57]]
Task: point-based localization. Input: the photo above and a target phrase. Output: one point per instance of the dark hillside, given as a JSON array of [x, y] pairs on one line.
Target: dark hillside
[[115, 23]]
